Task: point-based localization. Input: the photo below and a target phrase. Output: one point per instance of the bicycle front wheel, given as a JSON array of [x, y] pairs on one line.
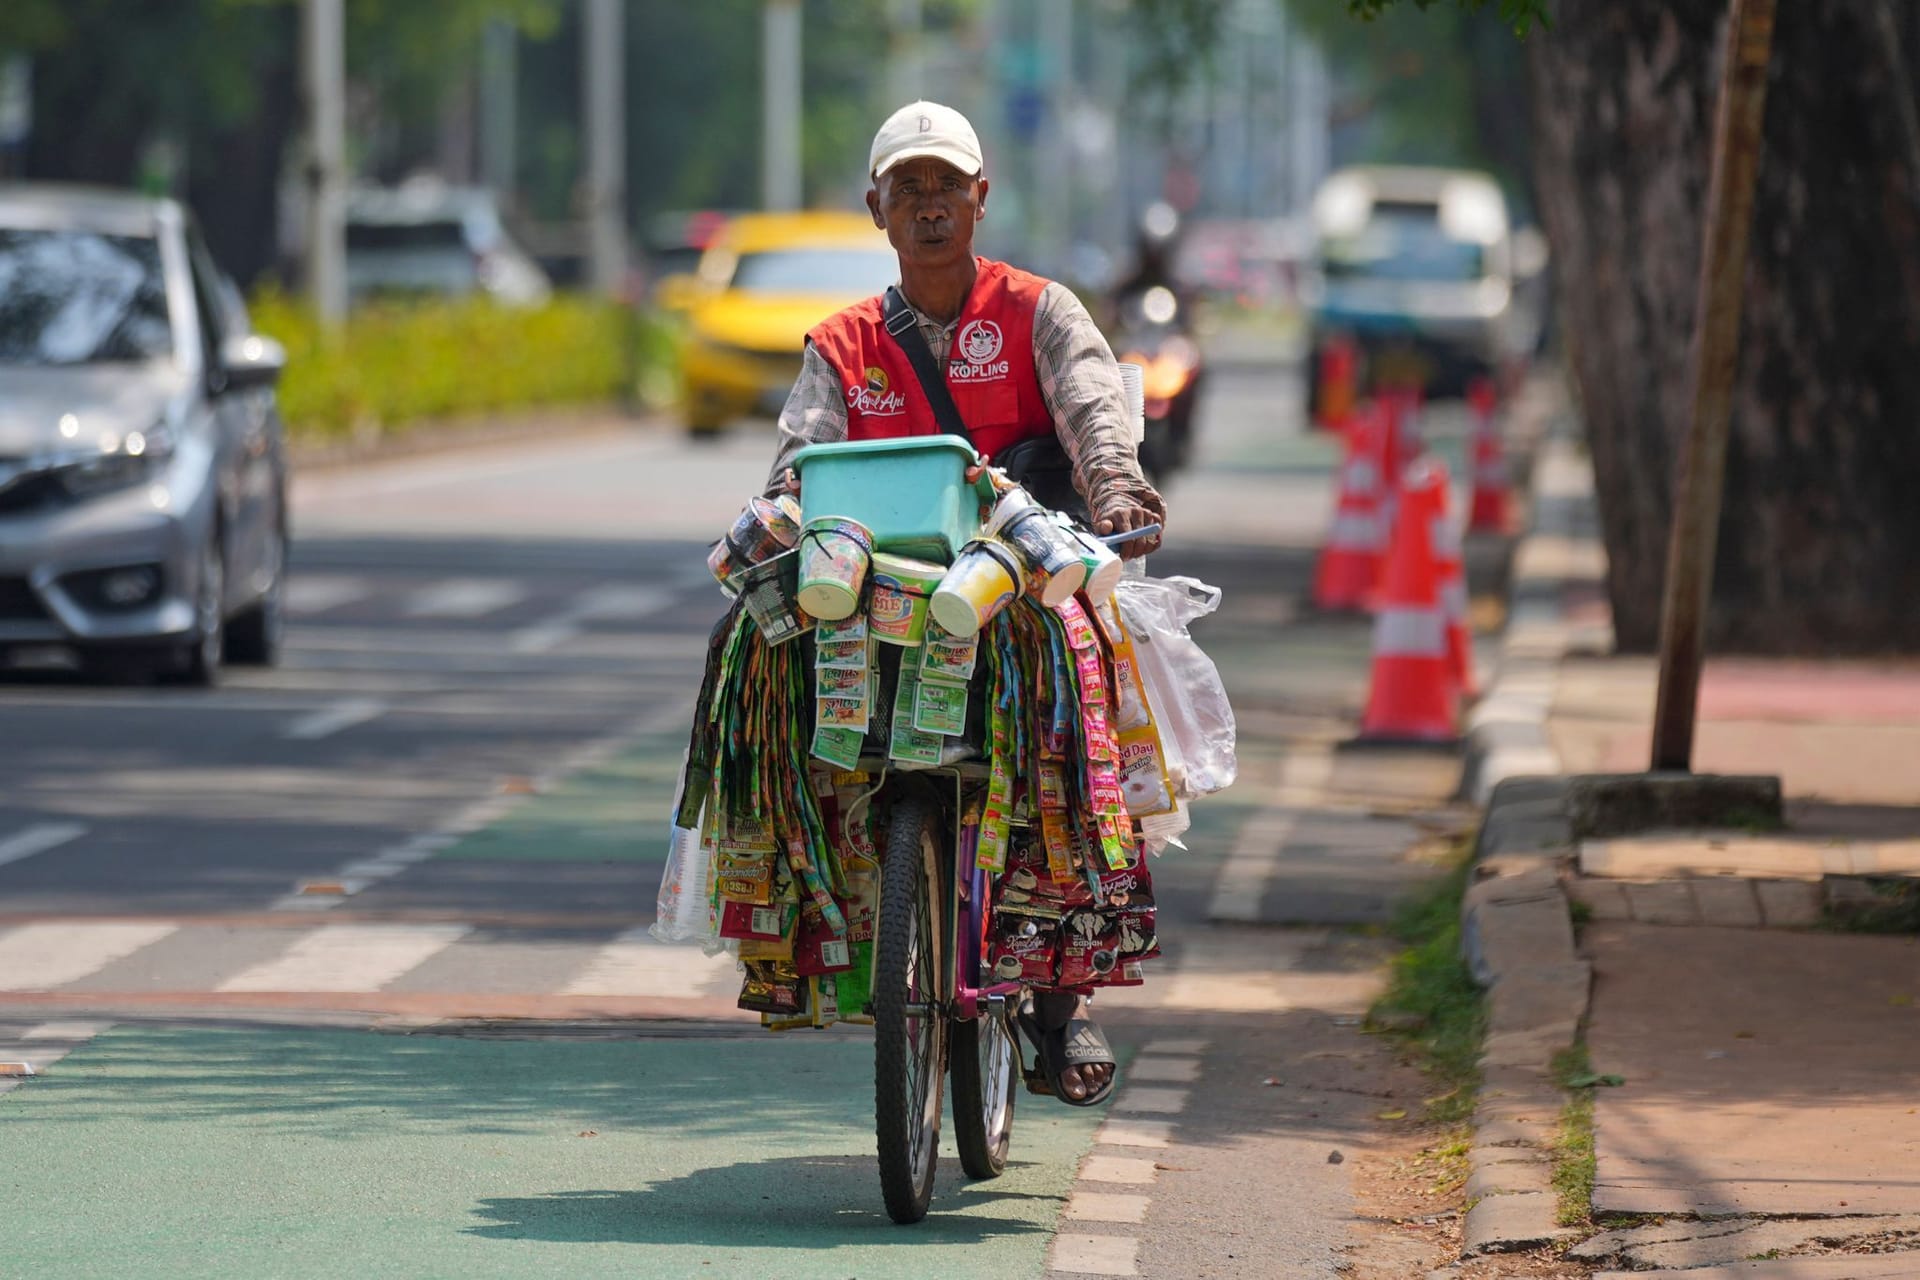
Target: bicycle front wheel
[[909, 1026]]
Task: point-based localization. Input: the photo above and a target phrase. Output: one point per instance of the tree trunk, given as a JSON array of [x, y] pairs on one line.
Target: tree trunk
[[1819, 548]]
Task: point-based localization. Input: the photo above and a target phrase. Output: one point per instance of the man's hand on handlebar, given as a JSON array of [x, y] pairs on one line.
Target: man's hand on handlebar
[[1122, 510]]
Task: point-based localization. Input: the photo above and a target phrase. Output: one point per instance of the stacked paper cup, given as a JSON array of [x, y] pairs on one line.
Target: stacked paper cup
[[1131, 381]]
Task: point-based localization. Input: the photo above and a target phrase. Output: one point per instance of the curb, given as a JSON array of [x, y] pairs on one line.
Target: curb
[[1560, 563], [1517, 934], [1516, 927]]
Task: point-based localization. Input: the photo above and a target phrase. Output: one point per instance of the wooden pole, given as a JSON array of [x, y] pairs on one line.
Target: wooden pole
[[1716, 350]]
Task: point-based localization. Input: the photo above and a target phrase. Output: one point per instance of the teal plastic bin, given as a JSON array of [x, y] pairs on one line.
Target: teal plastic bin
[[911, 492]]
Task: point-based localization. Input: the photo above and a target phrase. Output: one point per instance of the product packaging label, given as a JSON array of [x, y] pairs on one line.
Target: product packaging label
[[948, 657], [838, 746], [940, 708], [909, 745]]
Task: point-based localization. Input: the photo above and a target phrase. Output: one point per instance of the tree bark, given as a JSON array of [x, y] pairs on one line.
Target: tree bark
[[1819, 547]]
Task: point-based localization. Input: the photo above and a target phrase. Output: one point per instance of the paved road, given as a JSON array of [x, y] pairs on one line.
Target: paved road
[[336, 969]]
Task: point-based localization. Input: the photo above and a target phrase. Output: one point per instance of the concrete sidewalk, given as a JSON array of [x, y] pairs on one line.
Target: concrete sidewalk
[[1766, 1123]]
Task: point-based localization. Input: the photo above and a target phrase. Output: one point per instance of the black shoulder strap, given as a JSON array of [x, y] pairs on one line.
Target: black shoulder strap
[[906, 332]]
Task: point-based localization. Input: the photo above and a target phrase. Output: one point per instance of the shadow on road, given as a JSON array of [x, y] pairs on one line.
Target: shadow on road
[[797, 1202]]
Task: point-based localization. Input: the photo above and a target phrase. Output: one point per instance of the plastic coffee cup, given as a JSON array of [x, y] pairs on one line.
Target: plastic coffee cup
[[983, 580]]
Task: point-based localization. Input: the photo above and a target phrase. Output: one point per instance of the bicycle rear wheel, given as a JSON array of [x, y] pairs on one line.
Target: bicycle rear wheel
[[909, 1027], [981, 1061]]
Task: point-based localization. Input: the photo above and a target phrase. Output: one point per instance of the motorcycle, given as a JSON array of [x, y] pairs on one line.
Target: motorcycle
[[1151, 331]]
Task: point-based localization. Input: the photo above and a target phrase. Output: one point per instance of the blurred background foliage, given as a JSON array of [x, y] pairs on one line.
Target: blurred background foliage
[[396, 365]]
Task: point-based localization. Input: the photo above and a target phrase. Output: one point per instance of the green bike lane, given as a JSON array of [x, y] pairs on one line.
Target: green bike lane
[[636, 1150], [262, 1150], [215, 1152]]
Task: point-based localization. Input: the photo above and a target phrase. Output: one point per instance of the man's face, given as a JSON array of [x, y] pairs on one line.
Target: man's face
[[928, 208]]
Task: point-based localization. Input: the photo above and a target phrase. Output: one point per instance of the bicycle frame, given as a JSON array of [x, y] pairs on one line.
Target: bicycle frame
[[965, 992]]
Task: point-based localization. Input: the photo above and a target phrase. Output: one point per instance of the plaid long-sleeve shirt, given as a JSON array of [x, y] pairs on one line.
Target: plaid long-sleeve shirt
[[1079, 381]]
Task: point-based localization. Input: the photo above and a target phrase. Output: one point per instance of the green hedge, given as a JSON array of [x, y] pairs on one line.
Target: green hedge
[[396, 364]]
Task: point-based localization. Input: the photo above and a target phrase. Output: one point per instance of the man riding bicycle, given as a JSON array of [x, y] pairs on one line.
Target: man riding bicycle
[[1033, 381]]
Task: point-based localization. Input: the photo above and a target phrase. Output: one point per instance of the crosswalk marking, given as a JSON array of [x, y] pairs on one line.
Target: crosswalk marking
[[634, 964], [96, 957], [38, 839], [348, 958], [465, 598], [40, 957], [309, 593]]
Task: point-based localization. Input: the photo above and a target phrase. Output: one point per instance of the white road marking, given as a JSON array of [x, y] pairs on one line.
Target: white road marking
[[1127, 1169], [1183, 1047], [39, 839], [348, 958], [64, 1031], [331, 720], [40, 957], [372, 869], [633, 964], [543, 637], [304, 902], [1096, 1255], [1172, 1070], [1105, 1206], [1135, 1133], [1157, 1101], [465, 598], [309, 593], [622, 603], [1242, 883]]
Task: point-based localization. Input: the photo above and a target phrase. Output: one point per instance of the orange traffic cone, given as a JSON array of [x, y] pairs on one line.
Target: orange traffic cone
[[1350, 561], [1412, 697], [1339, 365], [1450, 563], [1491, 496]]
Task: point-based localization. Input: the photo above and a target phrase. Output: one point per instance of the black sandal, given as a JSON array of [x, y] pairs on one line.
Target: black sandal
[[1072, 1042]]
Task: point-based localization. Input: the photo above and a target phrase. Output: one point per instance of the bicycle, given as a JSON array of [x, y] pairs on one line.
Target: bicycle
[[935, 1005]]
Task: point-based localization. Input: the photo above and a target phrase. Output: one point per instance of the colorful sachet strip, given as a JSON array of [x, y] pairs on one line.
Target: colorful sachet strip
[[787, 751]]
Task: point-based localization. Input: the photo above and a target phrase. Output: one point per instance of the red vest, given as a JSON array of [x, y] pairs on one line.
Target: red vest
[[989, 371]]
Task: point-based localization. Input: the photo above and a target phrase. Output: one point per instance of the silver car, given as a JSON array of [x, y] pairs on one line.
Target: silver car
[[143, 519]]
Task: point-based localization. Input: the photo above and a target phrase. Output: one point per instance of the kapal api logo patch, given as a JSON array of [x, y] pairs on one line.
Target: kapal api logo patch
[[979, 342], [877, 396]]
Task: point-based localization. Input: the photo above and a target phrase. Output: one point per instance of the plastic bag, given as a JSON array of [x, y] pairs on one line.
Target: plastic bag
[[683, 912], [1189, 702]]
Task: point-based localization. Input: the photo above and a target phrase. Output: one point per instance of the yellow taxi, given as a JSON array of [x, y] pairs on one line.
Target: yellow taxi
[[764, 281]]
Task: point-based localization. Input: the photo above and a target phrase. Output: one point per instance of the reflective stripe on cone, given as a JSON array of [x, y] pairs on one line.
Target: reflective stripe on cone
[[1413, 695]]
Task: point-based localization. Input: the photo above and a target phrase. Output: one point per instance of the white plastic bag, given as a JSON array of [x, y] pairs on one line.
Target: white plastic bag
[[1189, 701], [684, 912]]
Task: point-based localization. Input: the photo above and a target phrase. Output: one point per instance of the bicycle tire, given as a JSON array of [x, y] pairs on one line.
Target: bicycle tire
[[980, 1060], [907, 1049]]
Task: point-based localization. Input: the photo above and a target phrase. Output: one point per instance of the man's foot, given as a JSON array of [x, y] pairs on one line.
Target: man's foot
[[1074, 1060], [1078, 1082]]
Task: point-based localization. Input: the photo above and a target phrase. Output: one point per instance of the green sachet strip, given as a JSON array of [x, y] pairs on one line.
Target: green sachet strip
[[939, 707], [908, 745], [853, 987], [838, 747]]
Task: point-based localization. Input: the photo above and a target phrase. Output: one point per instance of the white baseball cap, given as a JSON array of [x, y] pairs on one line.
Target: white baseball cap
[[925, 129]]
